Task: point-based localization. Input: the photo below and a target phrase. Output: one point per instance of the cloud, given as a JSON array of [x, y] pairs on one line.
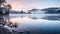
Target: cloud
[[17, 4], [29, 4]]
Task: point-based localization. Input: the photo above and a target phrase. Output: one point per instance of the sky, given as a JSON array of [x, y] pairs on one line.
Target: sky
[[30, 4]]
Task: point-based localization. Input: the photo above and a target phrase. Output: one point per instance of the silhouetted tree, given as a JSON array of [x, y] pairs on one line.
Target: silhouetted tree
[[21, 11], [8, 6], [29, 12], [15, 25], [1, 2]]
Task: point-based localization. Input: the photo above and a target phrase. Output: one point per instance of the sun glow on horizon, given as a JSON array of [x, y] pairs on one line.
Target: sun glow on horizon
[[18, 5], [30, 4]]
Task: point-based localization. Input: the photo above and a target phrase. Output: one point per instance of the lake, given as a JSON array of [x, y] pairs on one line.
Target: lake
[[36, 23]]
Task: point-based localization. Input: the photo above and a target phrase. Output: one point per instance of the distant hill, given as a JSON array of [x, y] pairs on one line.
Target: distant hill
[[54, 10], [33, 11], [51, 10]]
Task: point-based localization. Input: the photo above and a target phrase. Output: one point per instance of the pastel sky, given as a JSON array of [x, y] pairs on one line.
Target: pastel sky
[[29, 4]]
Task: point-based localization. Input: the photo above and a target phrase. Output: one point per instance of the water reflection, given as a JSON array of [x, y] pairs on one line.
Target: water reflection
[[36, 22], [33, 22], [3, 18], [45, 16], [6, 23], [37, 16]]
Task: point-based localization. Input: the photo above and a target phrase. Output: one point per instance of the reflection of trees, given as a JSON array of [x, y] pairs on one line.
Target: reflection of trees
[[10, 24], [3, 22]]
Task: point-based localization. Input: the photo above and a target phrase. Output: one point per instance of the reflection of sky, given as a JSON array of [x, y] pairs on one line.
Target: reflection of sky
[[26, 23], [35, 25], [20, 20], [29, 4], [29, 17]]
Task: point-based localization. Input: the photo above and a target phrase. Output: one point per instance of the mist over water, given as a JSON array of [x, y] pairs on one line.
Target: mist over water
[[33, 23], [36, 22]]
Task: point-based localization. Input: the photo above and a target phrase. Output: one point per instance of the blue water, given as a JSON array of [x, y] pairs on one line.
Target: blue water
[[36, 22]]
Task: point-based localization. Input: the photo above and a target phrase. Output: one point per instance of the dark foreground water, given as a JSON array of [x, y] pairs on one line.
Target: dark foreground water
[[35, 23]]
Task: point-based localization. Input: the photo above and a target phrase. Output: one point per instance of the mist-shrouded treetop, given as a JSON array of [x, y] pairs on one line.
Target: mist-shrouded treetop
[[8, 6]]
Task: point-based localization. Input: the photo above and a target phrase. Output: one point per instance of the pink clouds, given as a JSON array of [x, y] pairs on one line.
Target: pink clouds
[[18, 5]]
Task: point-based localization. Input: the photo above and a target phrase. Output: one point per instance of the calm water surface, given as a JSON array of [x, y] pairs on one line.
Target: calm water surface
[[36, 22]]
